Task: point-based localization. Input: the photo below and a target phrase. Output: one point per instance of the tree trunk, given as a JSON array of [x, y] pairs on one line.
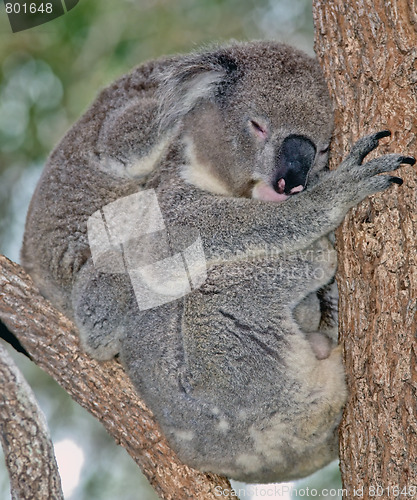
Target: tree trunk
[[102, 388], [24, 435], [368, 53]]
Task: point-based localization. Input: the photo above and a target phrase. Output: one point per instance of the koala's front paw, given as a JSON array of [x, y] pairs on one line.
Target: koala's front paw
[[362, 180]]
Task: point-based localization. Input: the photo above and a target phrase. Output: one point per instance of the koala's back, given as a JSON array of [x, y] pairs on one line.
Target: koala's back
[[97, 162]]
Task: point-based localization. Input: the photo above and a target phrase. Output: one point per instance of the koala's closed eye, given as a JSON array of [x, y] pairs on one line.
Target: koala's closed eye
[[259, 130]]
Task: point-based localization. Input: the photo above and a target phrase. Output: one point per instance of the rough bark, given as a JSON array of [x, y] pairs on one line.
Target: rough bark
[[102, 388], [368, 53], [24, 436]]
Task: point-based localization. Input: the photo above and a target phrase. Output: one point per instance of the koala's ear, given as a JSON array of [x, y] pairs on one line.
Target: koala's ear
[[187, 80]]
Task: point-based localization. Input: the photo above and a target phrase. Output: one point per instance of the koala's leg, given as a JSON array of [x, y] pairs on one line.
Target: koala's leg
[[307, 313], [99, 301], [317, 317], [315, 312]]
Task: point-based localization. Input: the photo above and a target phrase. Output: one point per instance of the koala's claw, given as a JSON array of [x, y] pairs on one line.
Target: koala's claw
[[396, 180], [386, 163], [410, 160], [363, 179], [365, 145], [383, 133]]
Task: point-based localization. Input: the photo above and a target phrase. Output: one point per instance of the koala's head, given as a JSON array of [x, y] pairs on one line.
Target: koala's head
[[256, 118]]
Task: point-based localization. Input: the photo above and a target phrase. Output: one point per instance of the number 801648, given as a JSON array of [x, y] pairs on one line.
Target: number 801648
[[28, 8]]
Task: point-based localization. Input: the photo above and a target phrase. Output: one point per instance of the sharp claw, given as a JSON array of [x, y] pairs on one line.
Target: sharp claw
[[397, 180], [408, 159], [383, 133]]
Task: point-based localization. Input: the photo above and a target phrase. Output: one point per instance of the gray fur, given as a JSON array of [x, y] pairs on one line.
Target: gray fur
[[243, 374]]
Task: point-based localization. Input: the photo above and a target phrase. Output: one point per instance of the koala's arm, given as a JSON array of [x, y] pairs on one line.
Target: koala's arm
[[233, 225]]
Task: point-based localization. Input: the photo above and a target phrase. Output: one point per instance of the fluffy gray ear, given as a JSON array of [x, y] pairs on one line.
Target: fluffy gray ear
[[188, 80]]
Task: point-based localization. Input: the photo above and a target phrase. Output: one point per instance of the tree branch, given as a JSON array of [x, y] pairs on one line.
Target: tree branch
[[102, 388], [24, 436]]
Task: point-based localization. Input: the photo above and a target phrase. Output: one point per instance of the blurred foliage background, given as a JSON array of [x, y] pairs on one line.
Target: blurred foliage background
[[48, 76]]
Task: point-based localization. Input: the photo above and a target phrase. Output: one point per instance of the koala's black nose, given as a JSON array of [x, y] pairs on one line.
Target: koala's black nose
[[293, 163]]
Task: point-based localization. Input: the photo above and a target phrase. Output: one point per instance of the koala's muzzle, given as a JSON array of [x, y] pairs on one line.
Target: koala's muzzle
[[294, 161]]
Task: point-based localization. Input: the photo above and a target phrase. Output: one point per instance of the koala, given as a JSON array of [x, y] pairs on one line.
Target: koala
[[212, 166]]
